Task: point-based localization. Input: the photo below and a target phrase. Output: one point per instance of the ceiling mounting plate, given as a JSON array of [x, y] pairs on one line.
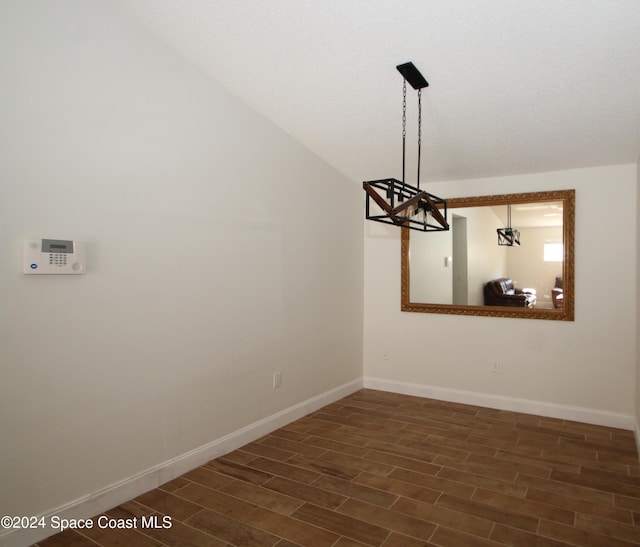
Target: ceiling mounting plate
[[412, 75]]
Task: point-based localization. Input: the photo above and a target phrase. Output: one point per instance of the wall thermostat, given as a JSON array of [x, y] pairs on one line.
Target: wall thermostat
[[54, 256]]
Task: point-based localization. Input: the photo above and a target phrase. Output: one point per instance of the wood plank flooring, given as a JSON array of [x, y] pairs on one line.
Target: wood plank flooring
[[385, 469]]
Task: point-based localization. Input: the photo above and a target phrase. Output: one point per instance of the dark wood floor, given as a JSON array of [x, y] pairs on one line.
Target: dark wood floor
[[385, 469]]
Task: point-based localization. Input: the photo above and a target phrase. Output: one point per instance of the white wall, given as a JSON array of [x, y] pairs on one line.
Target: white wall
[[219, 251], [586, 364]]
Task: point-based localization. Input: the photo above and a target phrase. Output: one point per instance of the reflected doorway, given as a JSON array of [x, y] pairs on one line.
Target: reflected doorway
[[460, 270]]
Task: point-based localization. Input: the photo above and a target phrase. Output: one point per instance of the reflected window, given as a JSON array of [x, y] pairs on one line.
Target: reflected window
[[553, 252]]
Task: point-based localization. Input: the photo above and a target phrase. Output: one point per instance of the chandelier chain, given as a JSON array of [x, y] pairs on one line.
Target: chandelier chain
[[404, 126], [419, 133], [404, 109], [419, 116]]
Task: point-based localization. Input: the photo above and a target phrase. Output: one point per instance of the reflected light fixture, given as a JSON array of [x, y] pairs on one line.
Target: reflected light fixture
[[397, 202], [508, 236]]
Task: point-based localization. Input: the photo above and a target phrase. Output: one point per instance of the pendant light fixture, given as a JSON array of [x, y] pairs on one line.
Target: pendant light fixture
[[397, 202], [508, 236]]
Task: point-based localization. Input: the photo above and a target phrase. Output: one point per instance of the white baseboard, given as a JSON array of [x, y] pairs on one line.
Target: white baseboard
[[526, 406], [126, 489], [117, 493]]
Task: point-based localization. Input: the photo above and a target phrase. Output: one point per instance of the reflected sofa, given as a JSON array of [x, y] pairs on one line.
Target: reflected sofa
[[501, 292], [557, 294]]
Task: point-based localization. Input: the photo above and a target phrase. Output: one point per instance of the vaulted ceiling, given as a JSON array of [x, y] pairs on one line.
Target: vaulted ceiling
[[515, 87]]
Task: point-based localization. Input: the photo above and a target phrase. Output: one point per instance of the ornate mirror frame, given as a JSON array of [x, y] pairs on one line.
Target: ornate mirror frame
[[566, 313]]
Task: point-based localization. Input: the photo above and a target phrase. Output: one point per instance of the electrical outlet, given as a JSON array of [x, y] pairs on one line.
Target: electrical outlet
[[385, 356], [277, 379], [495, 367]]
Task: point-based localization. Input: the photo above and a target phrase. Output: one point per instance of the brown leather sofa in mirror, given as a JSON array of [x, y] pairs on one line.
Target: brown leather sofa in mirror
[[501, 292], [557, 294]]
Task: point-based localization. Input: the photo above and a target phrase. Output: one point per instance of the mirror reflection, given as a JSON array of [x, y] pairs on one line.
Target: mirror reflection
[[469, 269]]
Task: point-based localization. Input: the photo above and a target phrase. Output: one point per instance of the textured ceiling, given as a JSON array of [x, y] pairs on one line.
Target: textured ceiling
[[515, 87]]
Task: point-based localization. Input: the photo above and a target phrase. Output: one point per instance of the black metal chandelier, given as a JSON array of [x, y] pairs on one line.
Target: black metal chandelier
[[508, 236], [397, 202]]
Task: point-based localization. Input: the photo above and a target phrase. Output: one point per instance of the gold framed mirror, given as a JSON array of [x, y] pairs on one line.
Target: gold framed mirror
[[465, 272]]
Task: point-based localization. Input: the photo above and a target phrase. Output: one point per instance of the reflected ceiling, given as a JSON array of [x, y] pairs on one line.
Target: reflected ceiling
[[531, 215]]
